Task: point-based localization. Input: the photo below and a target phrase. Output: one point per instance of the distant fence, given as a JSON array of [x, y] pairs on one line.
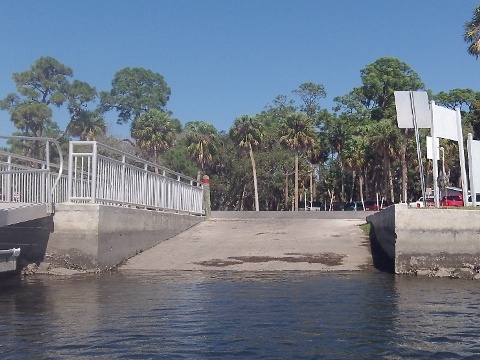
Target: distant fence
[[100, 174]]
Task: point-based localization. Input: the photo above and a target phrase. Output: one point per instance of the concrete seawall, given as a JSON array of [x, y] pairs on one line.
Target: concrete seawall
[[98, 236], [93, 237], [434, 242]]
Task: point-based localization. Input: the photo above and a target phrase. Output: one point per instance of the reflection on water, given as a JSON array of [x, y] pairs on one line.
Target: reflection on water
[[221, 315]]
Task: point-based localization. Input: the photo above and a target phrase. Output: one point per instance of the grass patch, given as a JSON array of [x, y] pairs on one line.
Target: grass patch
[[366, 228]]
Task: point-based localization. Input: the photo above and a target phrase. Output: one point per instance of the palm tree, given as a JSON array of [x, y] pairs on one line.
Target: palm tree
[[154, 132], [248, 133], [202, 140], [355, 156], [297, 134], [383, 136], [88, 125], [472, 33]]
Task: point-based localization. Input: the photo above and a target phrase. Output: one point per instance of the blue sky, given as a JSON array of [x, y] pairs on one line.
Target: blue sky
[[226, 58]]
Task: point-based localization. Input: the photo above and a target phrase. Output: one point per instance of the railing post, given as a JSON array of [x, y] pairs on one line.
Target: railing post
[[206, 196], [47, 176], [93, 198], [144, 184], [122, 187], [70, 172], [9, 180]]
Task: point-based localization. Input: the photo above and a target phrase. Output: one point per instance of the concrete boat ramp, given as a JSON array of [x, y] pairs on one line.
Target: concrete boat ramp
[[264, 241]]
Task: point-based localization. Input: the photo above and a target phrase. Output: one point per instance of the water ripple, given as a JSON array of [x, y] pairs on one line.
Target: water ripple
[[202, 315]]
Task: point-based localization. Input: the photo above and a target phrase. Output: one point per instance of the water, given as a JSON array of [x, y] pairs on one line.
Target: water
[[222, 315]]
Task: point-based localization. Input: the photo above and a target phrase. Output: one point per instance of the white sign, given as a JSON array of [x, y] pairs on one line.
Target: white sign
[[410, 103], [474, 162], [429, 148], [445, 123]]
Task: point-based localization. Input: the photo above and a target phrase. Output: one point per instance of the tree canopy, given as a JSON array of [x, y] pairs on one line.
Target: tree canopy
[[471, 33], [135, 91], [296, 148]]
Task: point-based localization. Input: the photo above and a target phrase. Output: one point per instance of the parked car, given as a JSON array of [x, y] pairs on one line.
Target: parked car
[[314, 206], [367, 205], [429, 201], [382, 204], [370, 205], [334, 206], [353, 206], [311, 206], [452, 200], [477, 200]]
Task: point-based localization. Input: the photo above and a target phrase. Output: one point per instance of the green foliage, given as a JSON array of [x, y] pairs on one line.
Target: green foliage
[[471, 33], [45, 82], [247, 132], [88, 125], [297, 133], [352, 152], [310, 94], [456, 98], [380, 79], [135, 91], [83, 123], [202, 143], [155, 132], [46, 85], [43, 85], [175, 158]]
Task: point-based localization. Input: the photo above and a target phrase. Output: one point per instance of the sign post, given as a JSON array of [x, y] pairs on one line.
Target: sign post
[[413, 112]]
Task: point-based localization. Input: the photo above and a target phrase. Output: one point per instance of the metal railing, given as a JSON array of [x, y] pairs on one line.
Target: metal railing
[[100, 174], [32, 180]]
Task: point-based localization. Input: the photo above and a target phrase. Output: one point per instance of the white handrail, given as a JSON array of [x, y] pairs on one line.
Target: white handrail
[[36, 184], [98, 173]]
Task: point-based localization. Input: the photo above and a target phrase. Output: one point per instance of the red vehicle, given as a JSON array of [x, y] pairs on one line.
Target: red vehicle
[[372, 205], [452, 200]]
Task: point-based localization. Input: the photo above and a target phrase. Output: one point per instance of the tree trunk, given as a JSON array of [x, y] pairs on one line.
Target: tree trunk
[[342, 181], [286, 192], [390, 181], [312, 187], [241, 200], [360, 186], [367, 189], [296, 181], [353, 185], [255, 186], [386, 172]]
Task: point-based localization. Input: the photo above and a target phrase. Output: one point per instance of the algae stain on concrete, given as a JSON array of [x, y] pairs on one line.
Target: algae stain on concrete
[[329, 259]]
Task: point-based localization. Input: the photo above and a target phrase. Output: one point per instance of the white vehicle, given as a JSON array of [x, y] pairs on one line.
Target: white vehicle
[[477, 200], [430, 201]]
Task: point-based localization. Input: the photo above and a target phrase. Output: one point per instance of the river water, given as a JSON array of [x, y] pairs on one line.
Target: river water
[[228, 315]]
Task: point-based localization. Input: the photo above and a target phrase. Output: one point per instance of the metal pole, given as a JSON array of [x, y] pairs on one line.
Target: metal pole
[[8, 196], [461, 154], [206, 196], [434, 156], [93, 194], [443, 160], [419, 151], [49, 185], [70, 172], [473, 191]]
